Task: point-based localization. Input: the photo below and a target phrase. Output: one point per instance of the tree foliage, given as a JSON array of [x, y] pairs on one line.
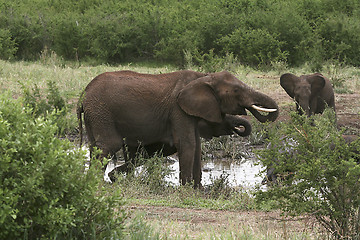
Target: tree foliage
[[257, 32], [45, 190]]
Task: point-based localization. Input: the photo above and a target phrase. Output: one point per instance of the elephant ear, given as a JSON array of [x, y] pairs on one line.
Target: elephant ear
[[317, 82], [198, 99], [287, 82]]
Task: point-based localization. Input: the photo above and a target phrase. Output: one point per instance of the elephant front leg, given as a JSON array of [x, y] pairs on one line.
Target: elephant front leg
[[190, 162], [184, 136], [186, 152]]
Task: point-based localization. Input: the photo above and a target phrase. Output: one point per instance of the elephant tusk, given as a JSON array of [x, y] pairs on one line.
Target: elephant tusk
[[263, 109], [240, 129]]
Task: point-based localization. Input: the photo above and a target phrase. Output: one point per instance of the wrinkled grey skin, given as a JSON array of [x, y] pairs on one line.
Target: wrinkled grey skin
[[207, 130], [165, 108], [272, 175], [312, 93]]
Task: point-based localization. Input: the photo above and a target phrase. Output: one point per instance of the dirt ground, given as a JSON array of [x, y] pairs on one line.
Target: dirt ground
[[348, 111], [185, 223]]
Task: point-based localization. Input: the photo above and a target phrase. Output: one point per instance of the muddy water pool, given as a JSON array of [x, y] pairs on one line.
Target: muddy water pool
[[244, 172]]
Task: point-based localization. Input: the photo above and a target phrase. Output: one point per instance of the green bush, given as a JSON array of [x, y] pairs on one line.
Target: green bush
[[46, 192], [255, 46], [27, 28], [210, 62], [68, 33], [321, 173], [7, 45], [257, 32], [151, 175], [230, 147], [54, 102], [341, 33]]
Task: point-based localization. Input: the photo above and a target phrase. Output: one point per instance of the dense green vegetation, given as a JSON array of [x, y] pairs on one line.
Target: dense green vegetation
[[256, 32], [46, 191], [318, 173]]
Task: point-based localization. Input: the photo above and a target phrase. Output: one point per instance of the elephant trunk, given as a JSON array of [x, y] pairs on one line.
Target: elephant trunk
[[242, 127], [263, 103], [303, 107]]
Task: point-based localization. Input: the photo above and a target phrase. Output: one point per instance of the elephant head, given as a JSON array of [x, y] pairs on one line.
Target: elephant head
[[212, 96], [311, 92]]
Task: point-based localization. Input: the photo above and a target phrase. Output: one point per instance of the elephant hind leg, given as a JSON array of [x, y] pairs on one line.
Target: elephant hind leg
[[105, 151], [108, 141]]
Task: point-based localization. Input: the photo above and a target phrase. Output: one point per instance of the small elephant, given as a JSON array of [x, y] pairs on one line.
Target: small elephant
[[312, 93], [166, 108], [207, 130]]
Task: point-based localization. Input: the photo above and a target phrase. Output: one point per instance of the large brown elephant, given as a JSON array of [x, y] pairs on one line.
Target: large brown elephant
[[165, 108], [312, 93], [207, 130]]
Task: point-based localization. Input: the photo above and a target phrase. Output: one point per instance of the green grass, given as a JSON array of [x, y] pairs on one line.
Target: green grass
[[72, 78]]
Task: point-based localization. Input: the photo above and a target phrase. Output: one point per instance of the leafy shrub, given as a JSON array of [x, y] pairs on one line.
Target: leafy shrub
[[256, 32], [210, 62], [26, 28], [323, 173], [177, 33], [255, 46], [341, 33], [113, 34], [148, 174], [53, 103], [153, 173], [69, 39], [231, 147], [291, 29], [219, 187], [45, 191], [7, 45], [259, 132]]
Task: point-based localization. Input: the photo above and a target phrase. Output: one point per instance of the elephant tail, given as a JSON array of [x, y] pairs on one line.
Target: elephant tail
[[79, 111]]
